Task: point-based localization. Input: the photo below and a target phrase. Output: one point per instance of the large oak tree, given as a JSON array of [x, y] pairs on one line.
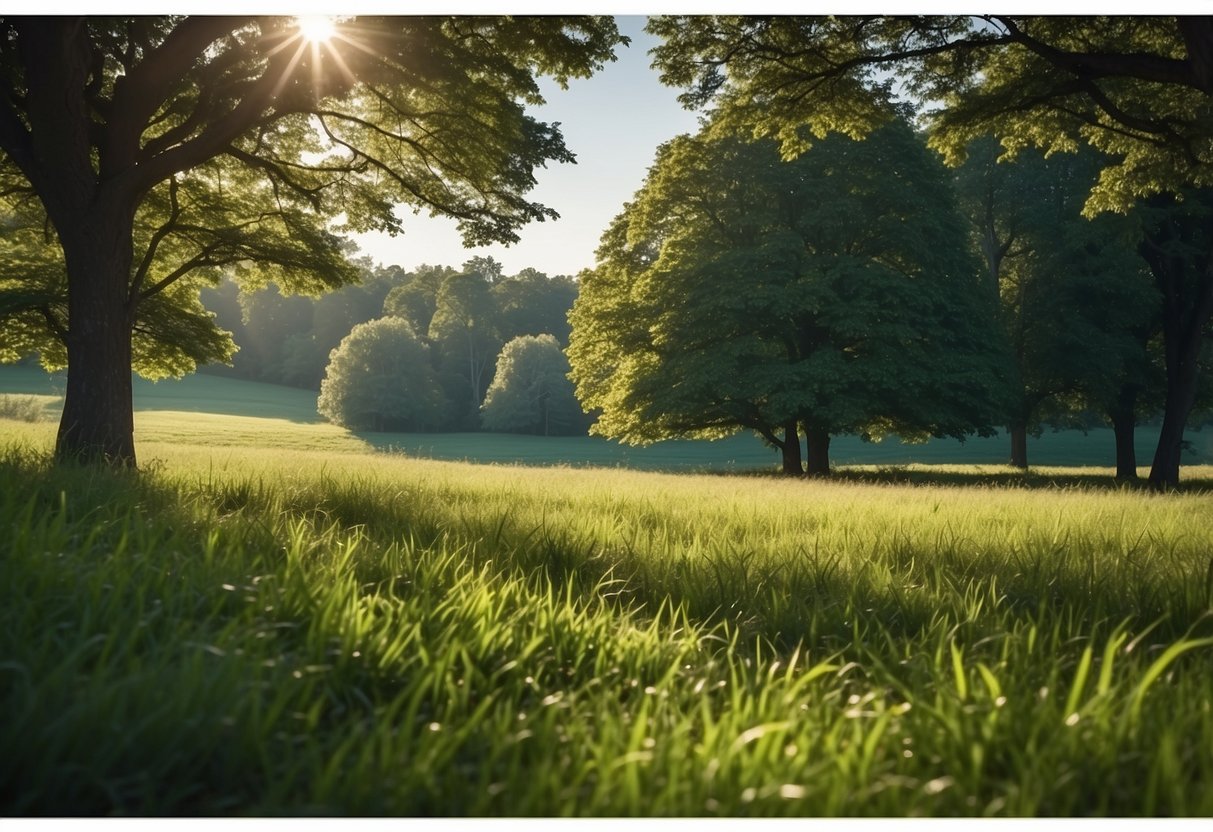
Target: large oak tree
[[109, 126], [833, 294], [1138, 88]]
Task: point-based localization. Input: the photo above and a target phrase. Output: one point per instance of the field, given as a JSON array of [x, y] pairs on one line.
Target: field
[[309, 628], [266, 415]]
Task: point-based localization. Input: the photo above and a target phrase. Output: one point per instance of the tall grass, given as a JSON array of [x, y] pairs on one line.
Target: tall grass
[[22, 408], [252, 633]]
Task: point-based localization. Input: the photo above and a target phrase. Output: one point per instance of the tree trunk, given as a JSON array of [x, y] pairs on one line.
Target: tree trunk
[[1019, 445], [1124, 423], [818, 442], [1185, 313], [1181, 393], [791, 450], [1182, 342], [98, 420]]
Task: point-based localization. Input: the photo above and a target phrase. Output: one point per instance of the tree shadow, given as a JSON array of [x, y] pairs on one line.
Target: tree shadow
[[989, 476]]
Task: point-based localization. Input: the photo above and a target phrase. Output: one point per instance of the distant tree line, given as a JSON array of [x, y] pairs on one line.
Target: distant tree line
[[414, 350]]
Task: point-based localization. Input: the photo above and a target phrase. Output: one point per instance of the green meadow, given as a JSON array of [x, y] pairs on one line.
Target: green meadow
[[223, 412], [275, 616]]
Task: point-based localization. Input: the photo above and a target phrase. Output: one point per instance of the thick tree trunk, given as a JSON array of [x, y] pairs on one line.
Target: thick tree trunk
[[98, 420], [818, 442], [1182, 348], [1184, 322], [791, 450], [1181, 393], [1124, 424], [1019, 445], [1185, 314]]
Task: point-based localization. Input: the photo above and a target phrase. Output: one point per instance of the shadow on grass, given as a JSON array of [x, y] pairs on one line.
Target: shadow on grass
[[183, 646], [819, 596], [980, 476]]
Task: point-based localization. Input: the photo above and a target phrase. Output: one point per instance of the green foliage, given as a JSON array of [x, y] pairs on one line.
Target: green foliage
[[1077, 302], [531, 303], [1136, 89], [464, 333], [354, 635], [740, 291], [485, 267], [531, 392], [188, 232], [380, 378], [416, 298]]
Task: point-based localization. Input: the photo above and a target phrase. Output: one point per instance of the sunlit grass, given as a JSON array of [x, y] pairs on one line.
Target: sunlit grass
[[24, 408], [241, 630], [168, 411]]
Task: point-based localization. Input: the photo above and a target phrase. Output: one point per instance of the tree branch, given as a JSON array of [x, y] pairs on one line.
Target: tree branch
[[391, 173], [141, 91], [270, 166], [220, 132], [53, 322], [199, 260], [133, 296], [1140, 65]]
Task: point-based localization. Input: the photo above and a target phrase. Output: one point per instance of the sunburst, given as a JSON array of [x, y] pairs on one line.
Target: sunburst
[[316, 28]]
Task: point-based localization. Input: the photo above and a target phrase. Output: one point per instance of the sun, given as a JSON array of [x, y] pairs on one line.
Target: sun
[[316, 28]]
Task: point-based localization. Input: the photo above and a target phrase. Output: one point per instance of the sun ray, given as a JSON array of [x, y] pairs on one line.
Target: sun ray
[[290, 69], [346, 73]]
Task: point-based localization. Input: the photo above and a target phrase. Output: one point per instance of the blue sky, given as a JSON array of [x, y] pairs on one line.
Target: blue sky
[[613, 122]]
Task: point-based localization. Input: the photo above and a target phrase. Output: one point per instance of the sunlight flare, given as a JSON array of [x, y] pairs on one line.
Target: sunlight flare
[[316, 28]]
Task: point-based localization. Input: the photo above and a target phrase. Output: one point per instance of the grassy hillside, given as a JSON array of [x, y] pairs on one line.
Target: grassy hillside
[[269, 415], [198, 393], [248, 631]]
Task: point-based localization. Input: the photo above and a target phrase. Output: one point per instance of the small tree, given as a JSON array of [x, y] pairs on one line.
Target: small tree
[[380, 378], [531, 392]]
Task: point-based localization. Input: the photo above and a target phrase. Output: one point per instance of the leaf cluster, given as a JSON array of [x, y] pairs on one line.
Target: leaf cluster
[[1136, 88]]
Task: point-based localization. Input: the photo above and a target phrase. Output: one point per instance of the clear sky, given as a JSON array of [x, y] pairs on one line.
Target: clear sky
[[613, 122]]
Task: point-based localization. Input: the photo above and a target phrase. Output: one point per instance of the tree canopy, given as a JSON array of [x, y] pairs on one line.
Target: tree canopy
[[834, 292], [119, 131], [1137, 88], [380, 378], [531, 391]]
